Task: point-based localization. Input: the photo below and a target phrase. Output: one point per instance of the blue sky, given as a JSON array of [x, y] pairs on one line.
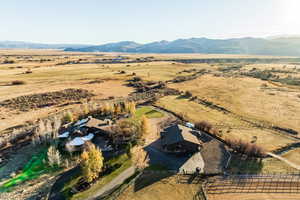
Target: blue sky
[[99, 21]]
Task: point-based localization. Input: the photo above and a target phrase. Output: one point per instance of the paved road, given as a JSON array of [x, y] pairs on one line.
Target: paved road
[[114, 183], [285, 160]]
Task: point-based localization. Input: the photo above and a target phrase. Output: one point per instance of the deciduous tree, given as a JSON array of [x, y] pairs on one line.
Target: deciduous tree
[[91, 163], [139, 157], [54, 158], [145, 125]]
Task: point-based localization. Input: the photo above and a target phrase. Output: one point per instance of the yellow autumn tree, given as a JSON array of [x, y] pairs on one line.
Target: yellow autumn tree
[[91, 163], [132, 108], [139, 157], [145, 126], [117, 109]]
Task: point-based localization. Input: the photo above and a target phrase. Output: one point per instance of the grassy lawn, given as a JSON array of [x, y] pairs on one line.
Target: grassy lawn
[[33, 169], [122, 160], [148, 111]]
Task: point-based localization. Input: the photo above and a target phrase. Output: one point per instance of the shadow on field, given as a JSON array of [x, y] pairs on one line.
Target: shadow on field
[[150, 177]]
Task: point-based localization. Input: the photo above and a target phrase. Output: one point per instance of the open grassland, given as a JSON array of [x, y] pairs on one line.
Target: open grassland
[[231, 127], [103, 80], [293, 155], [254, 99]]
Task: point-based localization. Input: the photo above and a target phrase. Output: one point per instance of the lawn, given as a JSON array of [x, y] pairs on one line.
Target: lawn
[[122, 160], [148, 111], [33, 169]]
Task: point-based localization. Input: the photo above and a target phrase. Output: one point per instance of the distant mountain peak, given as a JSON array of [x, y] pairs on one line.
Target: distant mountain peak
[[287, 45]]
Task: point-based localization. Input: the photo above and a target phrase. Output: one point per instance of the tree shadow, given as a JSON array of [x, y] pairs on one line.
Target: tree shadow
[[162, 166], [150, 177], [242, 166]]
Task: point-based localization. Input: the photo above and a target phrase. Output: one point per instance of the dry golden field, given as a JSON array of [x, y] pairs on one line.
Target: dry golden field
[[293, 155], [247, 97], [262, 102]]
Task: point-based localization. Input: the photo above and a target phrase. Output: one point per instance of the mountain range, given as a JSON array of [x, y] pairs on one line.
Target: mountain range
[[31, 45], [279, 46]]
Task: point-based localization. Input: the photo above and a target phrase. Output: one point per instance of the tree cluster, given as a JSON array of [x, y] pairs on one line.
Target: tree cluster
[[245, 148], [126, 131]]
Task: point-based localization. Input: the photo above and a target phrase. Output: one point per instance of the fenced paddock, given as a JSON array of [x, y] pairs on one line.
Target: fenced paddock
[[264, 183]]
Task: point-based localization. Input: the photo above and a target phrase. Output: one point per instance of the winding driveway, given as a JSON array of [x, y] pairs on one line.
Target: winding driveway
[[114, 183]]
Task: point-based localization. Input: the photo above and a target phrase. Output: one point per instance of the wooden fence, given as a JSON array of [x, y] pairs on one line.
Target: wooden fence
[[260, 183]]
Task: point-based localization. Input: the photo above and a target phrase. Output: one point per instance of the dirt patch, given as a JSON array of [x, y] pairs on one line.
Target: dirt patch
[[29, 102]]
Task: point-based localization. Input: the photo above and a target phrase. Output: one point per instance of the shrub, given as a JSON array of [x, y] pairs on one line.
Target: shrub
[[188, 94], [246, 148], [28, 71], [54, 158], [69, 117], [8, 62], [204, 126], [136, 79], [18, 82]]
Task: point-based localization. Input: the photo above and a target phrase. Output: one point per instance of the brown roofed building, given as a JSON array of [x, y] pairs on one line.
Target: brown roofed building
[[180, 139]]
